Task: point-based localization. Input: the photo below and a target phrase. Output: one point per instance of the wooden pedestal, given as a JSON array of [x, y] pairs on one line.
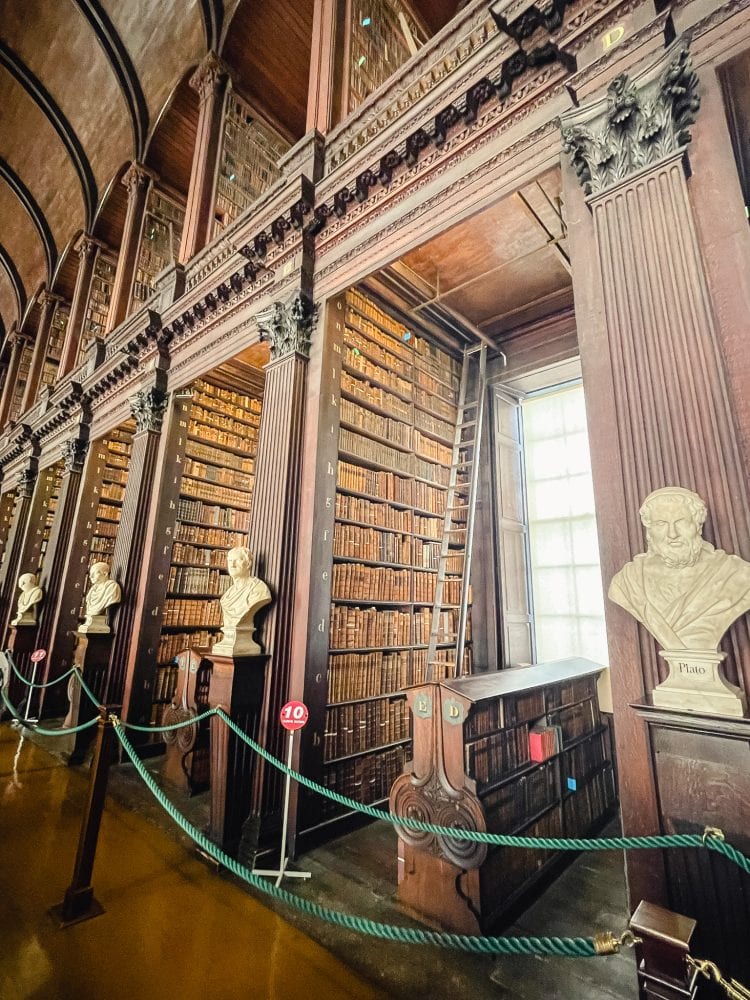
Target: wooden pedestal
[[237, 686], [22, 640], [186, 762], [91, 656]]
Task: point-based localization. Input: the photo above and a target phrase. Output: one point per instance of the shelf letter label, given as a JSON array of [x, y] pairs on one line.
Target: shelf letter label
[[423, 706], [453, 712]]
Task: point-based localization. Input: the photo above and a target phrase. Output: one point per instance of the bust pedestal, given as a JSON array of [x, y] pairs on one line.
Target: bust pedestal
[[186, 762], [22, 641], [695, 684], [237, 685], [91, 656]]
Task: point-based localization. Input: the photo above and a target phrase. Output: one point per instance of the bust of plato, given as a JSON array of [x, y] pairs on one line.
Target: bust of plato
[[683, 590], [30, 596], [102, 594], [239, 605]]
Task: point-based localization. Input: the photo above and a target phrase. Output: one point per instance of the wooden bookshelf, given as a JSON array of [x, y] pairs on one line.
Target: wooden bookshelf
[[114, 453], [216, 473], [20, 386], [55, 341], [160, 243], [7, 510], [486, 763], [391, 481], [377, 45], [250, 154], [97, 308]]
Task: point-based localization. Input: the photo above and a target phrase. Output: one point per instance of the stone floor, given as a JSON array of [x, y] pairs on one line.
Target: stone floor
[[357, 874]]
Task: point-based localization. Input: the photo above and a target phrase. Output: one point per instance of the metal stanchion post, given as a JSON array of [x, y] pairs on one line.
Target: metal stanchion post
[[79, 903]]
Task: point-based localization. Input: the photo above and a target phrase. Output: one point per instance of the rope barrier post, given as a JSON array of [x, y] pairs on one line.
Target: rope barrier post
[[79, 903], [662, 951]]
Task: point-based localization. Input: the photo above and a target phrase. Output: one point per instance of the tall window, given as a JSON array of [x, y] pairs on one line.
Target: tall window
[[565, 574]]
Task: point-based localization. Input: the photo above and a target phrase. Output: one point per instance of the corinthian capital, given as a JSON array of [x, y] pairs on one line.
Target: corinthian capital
[[148, 406], [210, 75], [287, 326], [136, 179], [74, 454], [640, 123]]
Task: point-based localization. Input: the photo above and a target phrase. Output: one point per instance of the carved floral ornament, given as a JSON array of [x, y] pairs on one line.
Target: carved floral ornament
[[288, 326], [74, 454], [148, 407], [640, 125]]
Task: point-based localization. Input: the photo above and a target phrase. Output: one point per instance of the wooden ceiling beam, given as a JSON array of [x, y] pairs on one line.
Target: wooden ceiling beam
[[36, 215], [58, 120], [122, 67]]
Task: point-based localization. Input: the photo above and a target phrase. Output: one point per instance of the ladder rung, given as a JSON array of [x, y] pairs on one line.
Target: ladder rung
[[468, 423], [459, 506], [463, 465]]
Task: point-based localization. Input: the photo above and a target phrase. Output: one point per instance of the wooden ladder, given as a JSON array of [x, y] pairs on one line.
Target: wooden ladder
[[458, 526]]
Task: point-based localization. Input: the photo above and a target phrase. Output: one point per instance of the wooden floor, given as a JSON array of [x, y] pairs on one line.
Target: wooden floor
[[162, 896]]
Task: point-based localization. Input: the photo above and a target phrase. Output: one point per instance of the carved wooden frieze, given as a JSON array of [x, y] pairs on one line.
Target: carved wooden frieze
[[640, 123], [288, 326]]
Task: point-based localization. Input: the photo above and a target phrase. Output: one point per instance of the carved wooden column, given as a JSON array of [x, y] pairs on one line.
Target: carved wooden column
[[17, 345], [48, 303], [55, 560], [274, 524], [148, 406], [210, 81], [661, 413], [87, 252], [16, 541], [137, 180], [324, 91]]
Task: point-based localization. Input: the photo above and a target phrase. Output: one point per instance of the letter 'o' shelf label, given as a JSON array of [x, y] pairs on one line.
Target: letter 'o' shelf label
[[38, 655], [293, 715]]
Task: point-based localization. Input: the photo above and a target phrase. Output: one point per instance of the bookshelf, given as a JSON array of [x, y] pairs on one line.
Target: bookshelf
[[160, 243], [97, 308], [18, 390], [48, 486], [377, 45], [216, 463], [491, 760], [113, 454], [58, 327], [7, 510], [250, 154], [397, 413]]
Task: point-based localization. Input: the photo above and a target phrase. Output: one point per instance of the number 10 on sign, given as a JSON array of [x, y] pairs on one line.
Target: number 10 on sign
[[292, 717]]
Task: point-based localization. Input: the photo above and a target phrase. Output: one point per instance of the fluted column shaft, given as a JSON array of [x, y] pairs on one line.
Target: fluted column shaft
[[87, 254], [18, 343], [39, 353], [138, 181]]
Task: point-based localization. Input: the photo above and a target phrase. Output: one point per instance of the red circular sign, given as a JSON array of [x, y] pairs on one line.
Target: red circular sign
[[293, 715], [38, 655]]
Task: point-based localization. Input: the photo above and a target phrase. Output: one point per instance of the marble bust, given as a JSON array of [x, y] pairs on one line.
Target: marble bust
[[685, 592], [102, 594], [239, 605], [30, 596]]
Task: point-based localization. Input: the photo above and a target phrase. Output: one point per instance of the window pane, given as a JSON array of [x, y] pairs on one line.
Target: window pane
[[565, 572]]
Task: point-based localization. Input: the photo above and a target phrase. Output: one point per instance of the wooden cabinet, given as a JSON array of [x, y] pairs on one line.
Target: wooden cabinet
[[474, 740]]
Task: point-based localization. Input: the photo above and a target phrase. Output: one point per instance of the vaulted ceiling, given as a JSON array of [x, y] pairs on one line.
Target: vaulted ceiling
[[87, 86]]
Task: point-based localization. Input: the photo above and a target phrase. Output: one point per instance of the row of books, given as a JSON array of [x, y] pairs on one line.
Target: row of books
[[367, 778], [374, 423], [354, 582], [584, 759], [355, 361], [197, 580], [106, 529], [375, 395], [103, 546], [210, 395], [198, 555], [447, 626], [363, 675], [575, 720], [381, 485], [427, 447], [589, 803], [380, 515], [382, 355], [433, 425], [434, 404], [443, 665], [224, 460], [397, 341], [355, 628], [165, 684], [492, 757], [114, 474], [571, 692], [510, 805], [216, 436], [172, 643], [119, 447], [426, 555], [518, 867], [113, 491], [189, 612], [353, 542], [373, 451], [218, 474], [219, 538], [205, 514], [437, 474], [225, 422], [500, 713], [364, 726], [209, 491], [106, 510], [436, 387]]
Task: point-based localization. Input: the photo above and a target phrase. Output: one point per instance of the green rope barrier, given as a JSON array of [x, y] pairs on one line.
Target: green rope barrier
[[40, 729], [654, 842], [579, 947], [28, 683], [174, 725]]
